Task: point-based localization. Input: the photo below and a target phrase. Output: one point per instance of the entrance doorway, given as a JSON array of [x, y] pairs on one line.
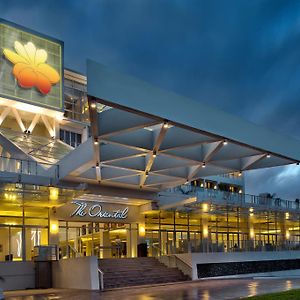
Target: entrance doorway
[[103, 240]]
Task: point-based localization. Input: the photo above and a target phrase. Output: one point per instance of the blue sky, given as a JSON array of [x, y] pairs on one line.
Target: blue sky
[[238, 55]]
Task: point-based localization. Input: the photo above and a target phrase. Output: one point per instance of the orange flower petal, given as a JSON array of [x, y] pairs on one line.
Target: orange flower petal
[[19, 67], [43, 84], [27, 78], [49, 72]]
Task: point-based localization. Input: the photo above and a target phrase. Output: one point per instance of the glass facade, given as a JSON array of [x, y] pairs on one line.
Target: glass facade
[[24, 218], [216, 228], [76, 105], [25, 215]]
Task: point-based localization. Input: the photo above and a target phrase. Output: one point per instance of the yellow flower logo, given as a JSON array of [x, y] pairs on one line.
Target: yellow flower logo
[[30, 67]]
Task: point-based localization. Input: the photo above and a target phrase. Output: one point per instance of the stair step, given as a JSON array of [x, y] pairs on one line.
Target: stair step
[[137, 271]]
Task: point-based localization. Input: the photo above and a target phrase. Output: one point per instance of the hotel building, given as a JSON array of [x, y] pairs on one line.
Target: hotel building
[[105, 165]]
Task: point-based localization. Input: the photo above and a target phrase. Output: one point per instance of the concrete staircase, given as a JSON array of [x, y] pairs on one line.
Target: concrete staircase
[[137, 271]]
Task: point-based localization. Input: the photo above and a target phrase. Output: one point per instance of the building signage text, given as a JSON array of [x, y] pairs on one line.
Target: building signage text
[[96, 211]]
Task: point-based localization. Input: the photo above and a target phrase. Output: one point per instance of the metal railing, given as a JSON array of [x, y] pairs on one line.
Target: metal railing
[[28, 167], [224, 197], [207, 246]]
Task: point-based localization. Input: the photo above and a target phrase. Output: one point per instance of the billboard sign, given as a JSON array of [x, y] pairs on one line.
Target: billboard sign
[[31, 67]]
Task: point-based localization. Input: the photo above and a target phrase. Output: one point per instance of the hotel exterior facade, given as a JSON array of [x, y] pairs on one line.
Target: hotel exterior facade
[[105, 165]]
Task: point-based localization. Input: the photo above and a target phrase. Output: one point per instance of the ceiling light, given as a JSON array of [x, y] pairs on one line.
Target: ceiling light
[[166, 125]]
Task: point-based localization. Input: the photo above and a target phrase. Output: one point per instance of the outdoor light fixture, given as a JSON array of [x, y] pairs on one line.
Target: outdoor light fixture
[[240, 173], [147, 173], [203, 165], [93, 105], [268, 155], [166, 125], [225, 142], [96, 141], [97, 165], [154, 154]]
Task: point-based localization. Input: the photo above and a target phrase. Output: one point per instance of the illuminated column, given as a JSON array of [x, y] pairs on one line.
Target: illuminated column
[[204, 227], [104, 243], [53, 232], [284, 234], [28, 236], [251, 231], [133, 238]]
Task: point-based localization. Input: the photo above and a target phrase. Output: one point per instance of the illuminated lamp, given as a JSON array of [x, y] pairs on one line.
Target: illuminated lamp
[[93, 105], [142, 230], [54, 227], [203, 165]]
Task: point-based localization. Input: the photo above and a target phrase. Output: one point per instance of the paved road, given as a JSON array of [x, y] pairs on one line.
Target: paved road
[[203, 290]]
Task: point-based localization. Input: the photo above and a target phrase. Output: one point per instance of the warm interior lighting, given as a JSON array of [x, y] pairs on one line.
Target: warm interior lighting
[[205, 231], [287, 235], [93, 105], [252, 234], [287, 215], [205, 207], [59, 117], [53, 193], [142, 230], [54, 227]]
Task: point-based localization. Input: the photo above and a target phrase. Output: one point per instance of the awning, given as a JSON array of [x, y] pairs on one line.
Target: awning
[[144, 137]]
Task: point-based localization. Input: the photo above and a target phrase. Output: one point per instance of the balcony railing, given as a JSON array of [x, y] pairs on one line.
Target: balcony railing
[[28, 167], [238, 199]]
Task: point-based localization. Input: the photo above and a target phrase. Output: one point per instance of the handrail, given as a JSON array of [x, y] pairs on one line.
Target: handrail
[[75, 251], [101, 279], [159, 249]]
